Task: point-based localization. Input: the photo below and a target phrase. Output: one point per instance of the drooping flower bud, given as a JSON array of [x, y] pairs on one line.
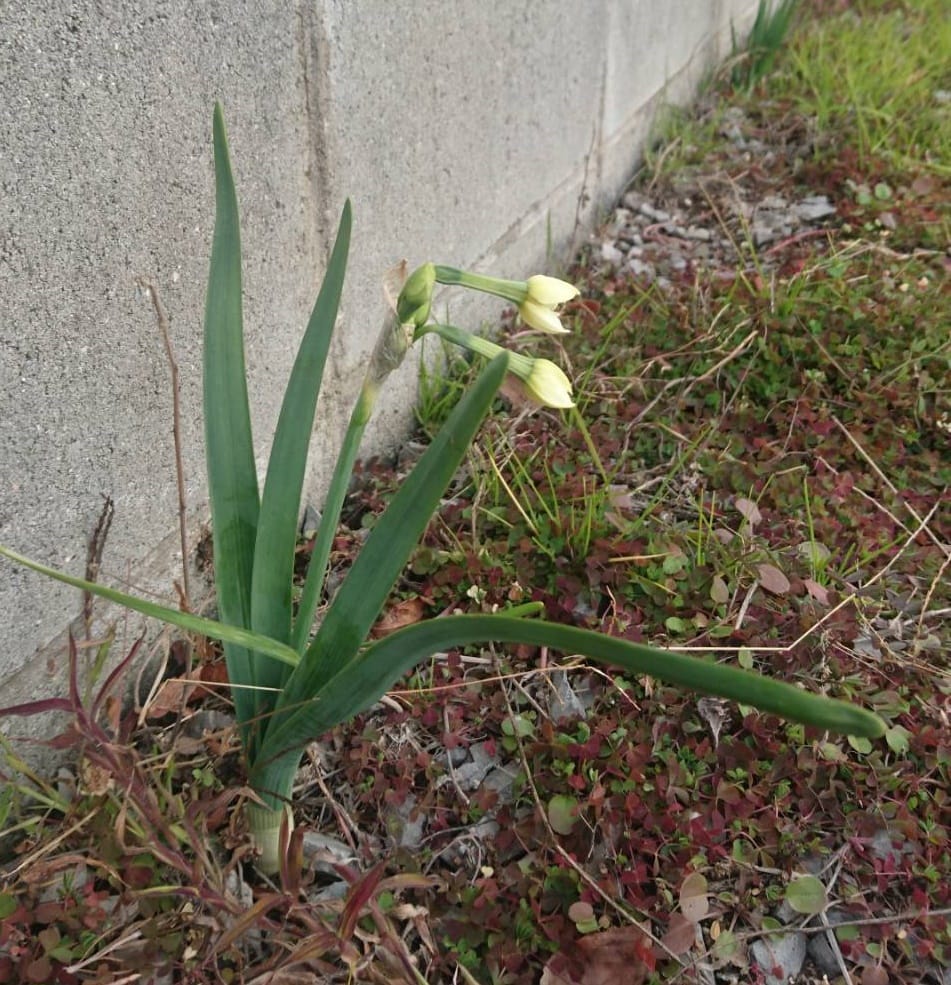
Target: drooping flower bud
[[547, 385], [544, 295], [541, 380], [537, 299]]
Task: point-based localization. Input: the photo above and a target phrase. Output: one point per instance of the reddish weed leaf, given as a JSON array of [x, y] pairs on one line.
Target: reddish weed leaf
[[772, 579], [817, 591], [680, 935], [622, 954], [874, 975], [38, 970]]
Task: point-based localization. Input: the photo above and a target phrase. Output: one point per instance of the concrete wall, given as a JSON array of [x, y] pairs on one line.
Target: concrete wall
[[460, 131]]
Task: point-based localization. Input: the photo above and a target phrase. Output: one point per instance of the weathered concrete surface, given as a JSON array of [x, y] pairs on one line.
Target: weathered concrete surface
[[472, 134]]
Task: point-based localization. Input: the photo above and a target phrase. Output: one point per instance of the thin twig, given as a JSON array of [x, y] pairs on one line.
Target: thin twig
[[932, 588], [162, 316], [922, 527], [97, 544]]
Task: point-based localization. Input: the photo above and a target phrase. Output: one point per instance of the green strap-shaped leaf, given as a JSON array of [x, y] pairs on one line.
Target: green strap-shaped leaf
[[232, 479], [363, 681], [361, 596], [230, 635], [280, 503]]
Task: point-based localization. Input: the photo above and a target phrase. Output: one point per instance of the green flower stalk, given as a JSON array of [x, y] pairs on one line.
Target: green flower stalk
[[543, 382], [390, 350], [537, 299]]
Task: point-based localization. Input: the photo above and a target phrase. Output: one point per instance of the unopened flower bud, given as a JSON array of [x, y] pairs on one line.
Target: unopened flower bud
[[416, 297]]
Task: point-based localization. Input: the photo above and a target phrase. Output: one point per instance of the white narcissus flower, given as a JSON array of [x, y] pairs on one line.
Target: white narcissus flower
[[548, 385], [544, 295]]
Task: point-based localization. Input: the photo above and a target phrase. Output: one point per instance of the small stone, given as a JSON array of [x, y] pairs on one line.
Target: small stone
[[485, 830], [639, 268], [611, 254], [207, 720], [322, 852], [782, 953], [699, 233], [563, 703], [309, 522], [470, 774], [620, 219], [814, 208], [502, 781], [407, 831], [823, 956], [239, 890], [733, 133], [457, 755], [658, 215], [822, 951]]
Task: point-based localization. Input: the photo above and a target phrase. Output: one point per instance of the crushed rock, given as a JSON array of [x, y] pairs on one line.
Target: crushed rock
[[697, 221]]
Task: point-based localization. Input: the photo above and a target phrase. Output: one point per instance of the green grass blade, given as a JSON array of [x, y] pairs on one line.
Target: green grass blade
[[365, 679], [230, 635], [232, 479], [361, 596], [280, 504]]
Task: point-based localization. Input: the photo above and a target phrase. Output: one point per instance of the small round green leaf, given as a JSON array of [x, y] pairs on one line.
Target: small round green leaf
[[806, 894], [897, 738], [562, 814]]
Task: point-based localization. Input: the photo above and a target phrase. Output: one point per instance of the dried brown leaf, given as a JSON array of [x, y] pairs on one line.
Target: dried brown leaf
[[719, 591], [405, 613], [694, 902], [171, 697], [580, 911], [816, 591], [681, 934], [749, 511]]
